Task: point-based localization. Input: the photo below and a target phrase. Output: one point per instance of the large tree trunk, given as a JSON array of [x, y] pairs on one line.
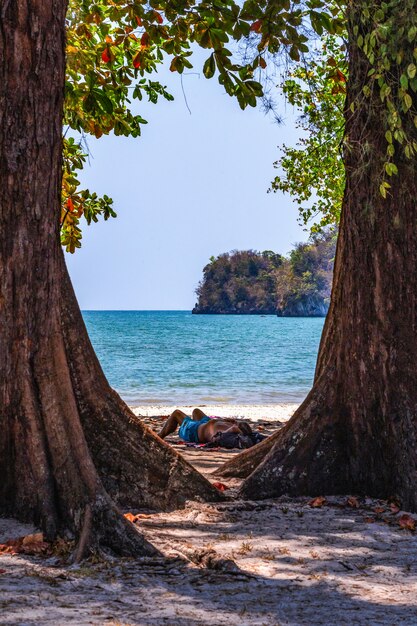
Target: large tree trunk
[[356, 430], [67, 441]]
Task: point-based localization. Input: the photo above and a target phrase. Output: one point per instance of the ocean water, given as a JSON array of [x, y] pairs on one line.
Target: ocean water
[[174, 357]]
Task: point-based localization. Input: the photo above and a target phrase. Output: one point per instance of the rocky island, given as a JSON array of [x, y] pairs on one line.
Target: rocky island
[[254, 283]]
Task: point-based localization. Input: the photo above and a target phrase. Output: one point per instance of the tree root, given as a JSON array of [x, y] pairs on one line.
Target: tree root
[[104, 526]]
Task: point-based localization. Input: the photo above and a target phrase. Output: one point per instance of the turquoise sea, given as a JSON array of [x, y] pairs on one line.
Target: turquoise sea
[[174, 357]]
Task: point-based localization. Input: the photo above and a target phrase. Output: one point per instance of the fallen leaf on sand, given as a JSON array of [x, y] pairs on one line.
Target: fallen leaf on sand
[[34, 538], [30, 544], [352, 502], [379, 509], [406, 521], [132, 518], [220, 486], [2, 571], [317, 502]]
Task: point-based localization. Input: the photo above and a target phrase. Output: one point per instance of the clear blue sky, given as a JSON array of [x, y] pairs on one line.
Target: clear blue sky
[[191, 187]]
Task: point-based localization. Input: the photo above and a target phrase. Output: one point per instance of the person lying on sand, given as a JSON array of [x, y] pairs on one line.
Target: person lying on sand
[[200, 428]]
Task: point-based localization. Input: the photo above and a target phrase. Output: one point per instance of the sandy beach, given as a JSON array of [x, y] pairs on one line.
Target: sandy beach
[[280, 412], [273, 563], [287, 561]]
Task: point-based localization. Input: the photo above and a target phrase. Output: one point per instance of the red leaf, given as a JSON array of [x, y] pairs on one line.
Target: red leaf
[[341, 76], [129, 516], [105, 55], [406, 521], [220, 486], [144, 40], [136, 60], [317, 502], [138, 20], [158, 17], [262, 63], [2, 571], [70, 205], [256, 26]]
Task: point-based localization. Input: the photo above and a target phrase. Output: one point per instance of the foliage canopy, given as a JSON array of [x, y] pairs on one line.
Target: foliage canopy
[[115, 47], [312, 172]]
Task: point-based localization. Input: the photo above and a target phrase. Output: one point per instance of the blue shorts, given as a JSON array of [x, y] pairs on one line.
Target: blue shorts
[[189, 429]]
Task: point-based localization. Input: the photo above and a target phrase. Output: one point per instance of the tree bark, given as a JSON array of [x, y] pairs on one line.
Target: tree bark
[[356, 430], [68, 443]]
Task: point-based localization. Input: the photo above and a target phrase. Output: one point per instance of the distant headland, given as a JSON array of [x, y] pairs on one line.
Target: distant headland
[[266, 283]]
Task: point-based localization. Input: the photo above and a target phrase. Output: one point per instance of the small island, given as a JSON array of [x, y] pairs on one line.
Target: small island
[[266, 283]]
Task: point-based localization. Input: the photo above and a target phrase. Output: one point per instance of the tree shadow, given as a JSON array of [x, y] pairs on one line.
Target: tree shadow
[[298, 565]]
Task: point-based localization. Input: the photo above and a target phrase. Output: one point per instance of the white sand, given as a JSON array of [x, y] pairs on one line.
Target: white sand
[[294, 566], [251, 412], [272, 563]]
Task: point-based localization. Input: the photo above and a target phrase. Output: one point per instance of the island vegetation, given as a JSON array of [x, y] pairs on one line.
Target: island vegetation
[[251, 282]]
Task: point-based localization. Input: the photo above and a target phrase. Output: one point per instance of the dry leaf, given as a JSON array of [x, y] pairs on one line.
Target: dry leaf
[[352, 502], [26, 545], [379, 509], [35, 538], [220, 486], [317, 502], [132, 518], [37, 547], [406, 521]]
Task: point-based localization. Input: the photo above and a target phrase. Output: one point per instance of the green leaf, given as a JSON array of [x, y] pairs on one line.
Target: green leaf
[[294, 53], [408, 101], [254, 87], [391, 169], [404, 82], [209, 67], [316, 22], [411, 70], [412, 32]]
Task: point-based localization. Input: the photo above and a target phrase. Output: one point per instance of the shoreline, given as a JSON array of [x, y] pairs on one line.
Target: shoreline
[[278, 412]]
